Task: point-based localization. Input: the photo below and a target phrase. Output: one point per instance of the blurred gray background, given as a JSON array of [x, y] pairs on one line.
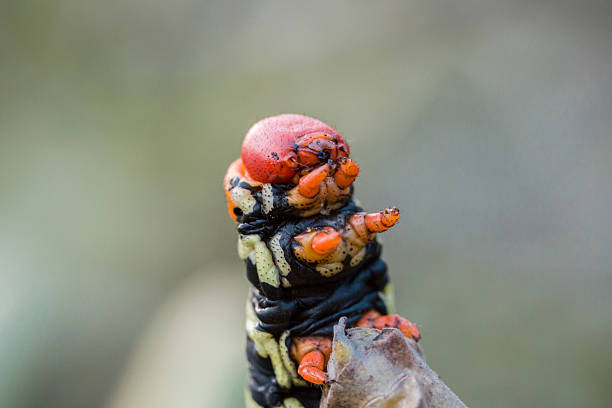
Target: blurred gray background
[[487, 122]]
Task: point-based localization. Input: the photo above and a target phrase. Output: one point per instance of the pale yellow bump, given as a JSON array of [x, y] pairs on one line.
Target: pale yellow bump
[[279, 255], [267, 197], [246, 244], [285, 282], [330, 269], [358, 257], [266, 269], [253, 333], [282, 375], [288, 361], [243, 199], [352, 248], [266, 346]]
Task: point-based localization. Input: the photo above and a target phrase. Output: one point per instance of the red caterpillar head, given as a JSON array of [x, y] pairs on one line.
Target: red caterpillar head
[[279, 148]]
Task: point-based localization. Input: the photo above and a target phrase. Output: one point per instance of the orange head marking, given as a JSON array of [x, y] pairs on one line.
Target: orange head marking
[[316, 148]]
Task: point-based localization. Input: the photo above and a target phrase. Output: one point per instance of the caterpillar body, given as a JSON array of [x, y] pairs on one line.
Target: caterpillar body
[[311, 256]]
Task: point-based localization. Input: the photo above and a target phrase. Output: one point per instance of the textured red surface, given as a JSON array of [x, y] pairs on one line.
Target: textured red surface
[[270, 143]]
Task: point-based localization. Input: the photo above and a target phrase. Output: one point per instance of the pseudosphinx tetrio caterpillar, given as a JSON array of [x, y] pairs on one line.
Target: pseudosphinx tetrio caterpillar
[[311, 255]]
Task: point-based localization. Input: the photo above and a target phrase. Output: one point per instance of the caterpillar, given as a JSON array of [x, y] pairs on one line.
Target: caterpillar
[[311, 256]]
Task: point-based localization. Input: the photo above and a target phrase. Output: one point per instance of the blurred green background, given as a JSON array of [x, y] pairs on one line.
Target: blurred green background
[[487, 122]]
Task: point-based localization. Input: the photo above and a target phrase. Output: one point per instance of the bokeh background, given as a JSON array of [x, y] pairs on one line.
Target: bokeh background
[[487, 122]]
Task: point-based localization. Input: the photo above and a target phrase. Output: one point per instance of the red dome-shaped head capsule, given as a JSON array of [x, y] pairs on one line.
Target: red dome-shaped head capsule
[[277, 148]]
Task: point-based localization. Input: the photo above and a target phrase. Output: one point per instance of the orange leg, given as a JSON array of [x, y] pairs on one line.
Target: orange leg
[[317, 245], [376, 320], [312, 353], [325, 241], [347, 172], [310, 184], [367, 225], [382, 220], [312, 367], [408, 328]]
